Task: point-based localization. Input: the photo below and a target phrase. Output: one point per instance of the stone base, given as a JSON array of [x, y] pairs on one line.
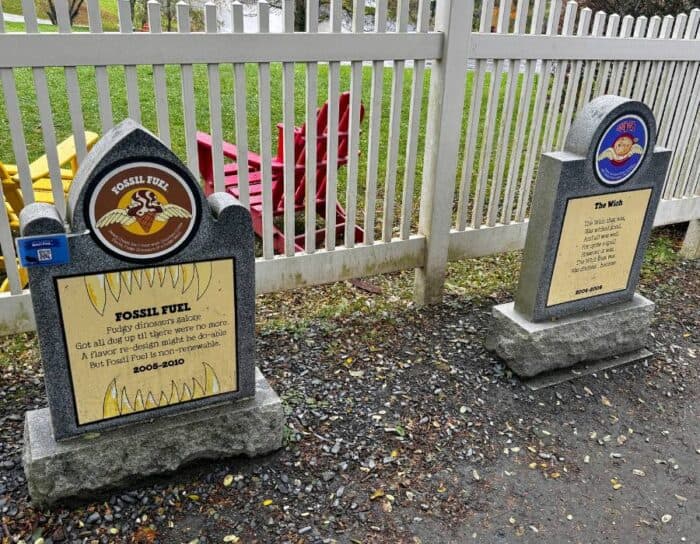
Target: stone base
[[88, 465], [531, 348]]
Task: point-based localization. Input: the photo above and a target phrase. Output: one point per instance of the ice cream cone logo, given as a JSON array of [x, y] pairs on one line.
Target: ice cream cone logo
[[145, 207], [143, 211]]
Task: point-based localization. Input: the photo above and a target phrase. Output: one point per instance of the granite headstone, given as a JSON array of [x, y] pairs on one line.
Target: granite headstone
[[592, 213], [148, 325]]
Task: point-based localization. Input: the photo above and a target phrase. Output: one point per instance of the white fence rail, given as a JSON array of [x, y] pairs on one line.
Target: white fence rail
[[423, 176]]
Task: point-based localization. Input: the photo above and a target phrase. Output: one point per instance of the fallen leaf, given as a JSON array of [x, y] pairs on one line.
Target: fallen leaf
[[377, 493], [228, 480], [615, 484], [605, 400], [267, 502]]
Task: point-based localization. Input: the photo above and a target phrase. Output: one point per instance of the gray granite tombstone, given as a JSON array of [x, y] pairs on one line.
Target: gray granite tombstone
[[147, 332], [592, 213]]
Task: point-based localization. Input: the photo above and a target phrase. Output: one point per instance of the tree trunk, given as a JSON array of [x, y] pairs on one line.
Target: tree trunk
[[73, 10], [300, 15]]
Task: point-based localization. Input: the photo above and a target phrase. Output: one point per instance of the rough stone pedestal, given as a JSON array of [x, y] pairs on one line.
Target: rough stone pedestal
[[531, 348], [88, 465]]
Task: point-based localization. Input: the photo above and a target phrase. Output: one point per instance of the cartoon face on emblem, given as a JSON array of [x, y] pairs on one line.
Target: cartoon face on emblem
[[621, 150]]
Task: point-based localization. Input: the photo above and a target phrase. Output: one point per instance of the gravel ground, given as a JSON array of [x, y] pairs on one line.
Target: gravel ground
[[402, 428]]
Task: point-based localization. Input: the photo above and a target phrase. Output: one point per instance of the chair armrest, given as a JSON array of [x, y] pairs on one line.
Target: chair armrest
[[66, 152]]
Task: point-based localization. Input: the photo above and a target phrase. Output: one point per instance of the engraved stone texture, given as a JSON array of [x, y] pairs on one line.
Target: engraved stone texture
[[85, 466], [531, 348]]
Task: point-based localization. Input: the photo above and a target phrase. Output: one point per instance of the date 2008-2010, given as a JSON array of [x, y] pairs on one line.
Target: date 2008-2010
[[156, 366]]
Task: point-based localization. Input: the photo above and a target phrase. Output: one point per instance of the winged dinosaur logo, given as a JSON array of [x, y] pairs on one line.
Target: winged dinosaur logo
[[144, 209]]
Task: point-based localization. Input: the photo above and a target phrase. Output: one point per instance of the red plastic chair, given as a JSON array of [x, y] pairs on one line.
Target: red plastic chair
[[204, 145]]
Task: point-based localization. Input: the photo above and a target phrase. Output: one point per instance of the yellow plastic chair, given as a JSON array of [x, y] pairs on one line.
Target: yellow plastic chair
[[39, 171], [41, 183]]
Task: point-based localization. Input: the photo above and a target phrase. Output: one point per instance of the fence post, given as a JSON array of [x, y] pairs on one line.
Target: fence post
[[691, 242], [447, 87]]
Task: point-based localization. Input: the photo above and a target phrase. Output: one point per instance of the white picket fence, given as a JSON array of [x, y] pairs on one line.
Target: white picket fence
[[427, 185]]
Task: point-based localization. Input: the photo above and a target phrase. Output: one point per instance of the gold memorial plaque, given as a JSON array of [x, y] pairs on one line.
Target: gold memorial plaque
[[597, 245], [148, 338]]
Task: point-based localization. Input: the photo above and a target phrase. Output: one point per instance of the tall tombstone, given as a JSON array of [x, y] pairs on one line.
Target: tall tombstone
[[145, 325], [592, 213]]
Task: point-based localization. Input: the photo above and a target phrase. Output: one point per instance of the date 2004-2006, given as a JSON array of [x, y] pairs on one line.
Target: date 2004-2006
[[156, 366]]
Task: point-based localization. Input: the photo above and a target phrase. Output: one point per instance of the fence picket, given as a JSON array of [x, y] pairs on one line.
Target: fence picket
[[526, 98], [573, 84], [7, 247], [490, 127], [640, 26], [678, 95], [288, 136], [72, 87], [414, 119], [640, 82], [14, 120], [104, 100], [603, 75], [45, 114], [311, 135], [332, 134], [265, 135], [187, 84], [214, 81], [358, 18], [540, 100], [241, 109], [672, 77], [679, 135], [590, 65], [394, 130], [375, 124], [478, 79], [512, 75], [619, 66], [159, 80], [559, 78], [132, 79], [653, 86], [667, 74]]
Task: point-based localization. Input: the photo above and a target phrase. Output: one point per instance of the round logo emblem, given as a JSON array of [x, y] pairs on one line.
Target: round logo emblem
[[142, 210], [621, 149]]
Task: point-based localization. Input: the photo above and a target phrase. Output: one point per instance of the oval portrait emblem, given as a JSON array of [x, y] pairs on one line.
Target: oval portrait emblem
[[142, 211], [621, 149]]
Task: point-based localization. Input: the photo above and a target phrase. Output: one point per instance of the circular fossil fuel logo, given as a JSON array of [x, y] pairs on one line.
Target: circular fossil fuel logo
[[142, 211]]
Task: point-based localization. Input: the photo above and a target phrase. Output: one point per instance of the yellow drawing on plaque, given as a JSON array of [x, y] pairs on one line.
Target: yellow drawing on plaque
[[181, 277], [117, 403]]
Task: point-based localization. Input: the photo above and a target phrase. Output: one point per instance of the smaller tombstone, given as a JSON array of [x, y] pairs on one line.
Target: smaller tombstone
[[145, 325], [592, 213]]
